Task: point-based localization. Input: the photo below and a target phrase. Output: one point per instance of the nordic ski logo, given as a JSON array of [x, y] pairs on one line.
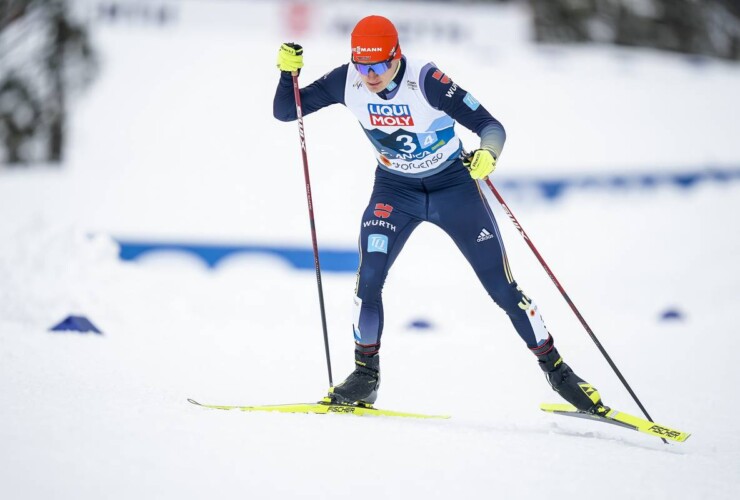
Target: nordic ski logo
[[390, 115], [382, 210], [587, 389], [484, 235], [377, 243], [341, 409], [664, 431]]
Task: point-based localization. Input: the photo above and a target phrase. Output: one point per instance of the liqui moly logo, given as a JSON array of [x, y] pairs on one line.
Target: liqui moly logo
[[390, 115]]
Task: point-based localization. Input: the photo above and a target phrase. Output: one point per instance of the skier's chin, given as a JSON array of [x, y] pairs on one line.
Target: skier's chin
[[374, 87]]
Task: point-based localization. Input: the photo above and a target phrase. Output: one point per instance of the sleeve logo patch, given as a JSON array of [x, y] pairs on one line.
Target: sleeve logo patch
[[438, 75], [471, 101]]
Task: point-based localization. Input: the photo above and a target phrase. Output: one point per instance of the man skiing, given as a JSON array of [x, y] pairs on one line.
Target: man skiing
[[408, 109]]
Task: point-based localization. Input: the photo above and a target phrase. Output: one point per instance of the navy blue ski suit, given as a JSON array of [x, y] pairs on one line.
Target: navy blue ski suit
[[448, 198]]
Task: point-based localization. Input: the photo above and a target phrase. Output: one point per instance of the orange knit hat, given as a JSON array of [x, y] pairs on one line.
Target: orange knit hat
[[374, 39]]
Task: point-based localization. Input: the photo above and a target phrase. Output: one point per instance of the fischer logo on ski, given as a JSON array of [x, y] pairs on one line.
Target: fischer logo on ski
[[665, 432]]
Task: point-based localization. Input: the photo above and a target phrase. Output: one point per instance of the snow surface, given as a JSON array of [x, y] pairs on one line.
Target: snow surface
[[176, 140]]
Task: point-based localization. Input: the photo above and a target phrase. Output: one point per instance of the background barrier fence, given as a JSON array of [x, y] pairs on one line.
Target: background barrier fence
[[341, 260]]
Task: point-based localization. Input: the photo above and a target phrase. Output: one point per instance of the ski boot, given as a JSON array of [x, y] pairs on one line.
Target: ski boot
[[361, 387], [567, 384]]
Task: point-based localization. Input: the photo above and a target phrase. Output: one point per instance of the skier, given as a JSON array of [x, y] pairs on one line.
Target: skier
[[408, 109]]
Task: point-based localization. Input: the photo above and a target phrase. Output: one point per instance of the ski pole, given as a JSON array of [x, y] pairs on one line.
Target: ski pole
[[302, 135], [567, 298]]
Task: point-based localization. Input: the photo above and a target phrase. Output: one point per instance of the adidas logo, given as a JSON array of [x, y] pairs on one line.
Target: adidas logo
[[484, 235]]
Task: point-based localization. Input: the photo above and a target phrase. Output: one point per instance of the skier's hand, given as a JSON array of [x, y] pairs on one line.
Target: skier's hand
[[481, 163], [290, 57]]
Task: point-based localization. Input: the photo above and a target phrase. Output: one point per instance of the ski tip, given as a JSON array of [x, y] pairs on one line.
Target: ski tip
[[683, 437], [194, 402]]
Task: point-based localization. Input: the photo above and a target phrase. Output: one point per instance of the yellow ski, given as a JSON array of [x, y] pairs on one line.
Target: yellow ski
[[322, 408], [619, 418]]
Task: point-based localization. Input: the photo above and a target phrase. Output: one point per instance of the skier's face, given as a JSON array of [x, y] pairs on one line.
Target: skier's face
[[375, 82]]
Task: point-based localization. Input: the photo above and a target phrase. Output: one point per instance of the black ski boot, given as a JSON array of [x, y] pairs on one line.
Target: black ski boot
[[561, 378], [362, 384]]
